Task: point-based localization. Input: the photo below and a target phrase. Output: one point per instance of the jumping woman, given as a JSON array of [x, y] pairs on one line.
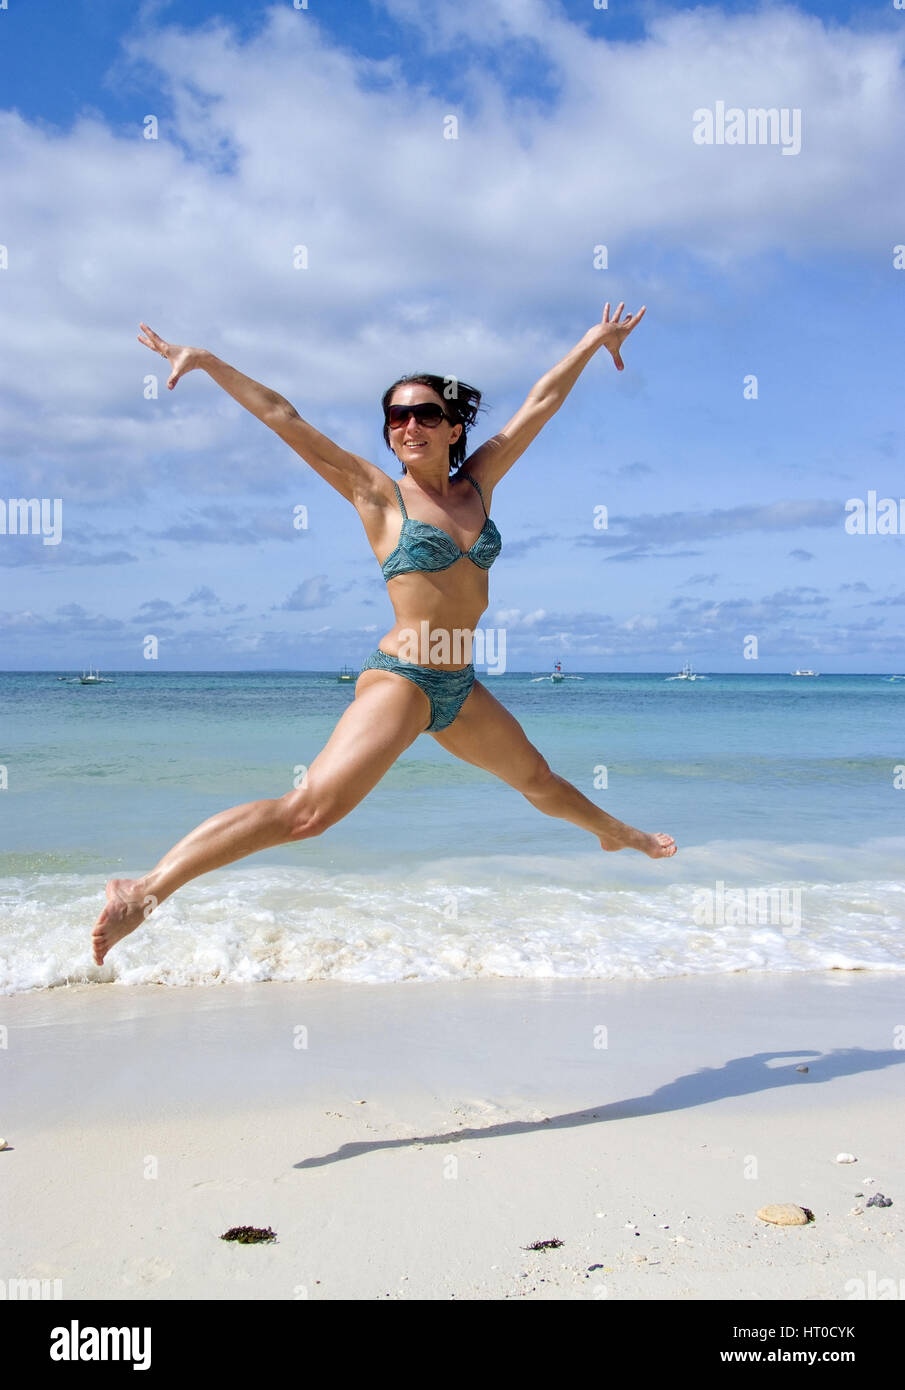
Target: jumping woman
[[435, 542]]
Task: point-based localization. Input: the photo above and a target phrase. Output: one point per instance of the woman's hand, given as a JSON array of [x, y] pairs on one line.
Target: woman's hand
[[181, 359], [613, 334]]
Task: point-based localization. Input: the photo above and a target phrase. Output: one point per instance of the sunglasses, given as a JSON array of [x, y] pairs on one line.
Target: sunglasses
[[428, 414]]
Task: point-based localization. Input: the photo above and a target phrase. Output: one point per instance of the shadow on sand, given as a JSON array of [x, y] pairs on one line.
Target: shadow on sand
[[741, 1076]]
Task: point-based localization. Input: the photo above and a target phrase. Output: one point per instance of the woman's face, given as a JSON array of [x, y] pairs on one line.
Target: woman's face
[[425, 446]]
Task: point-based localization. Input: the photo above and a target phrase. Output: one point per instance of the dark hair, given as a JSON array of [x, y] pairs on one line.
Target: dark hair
[[462, 407]]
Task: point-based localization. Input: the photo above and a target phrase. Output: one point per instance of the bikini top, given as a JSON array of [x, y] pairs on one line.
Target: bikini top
[[425, 548]]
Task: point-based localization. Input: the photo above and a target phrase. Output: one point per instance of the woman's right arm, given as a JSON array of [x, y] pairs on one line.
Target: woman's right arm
[[352, 476]]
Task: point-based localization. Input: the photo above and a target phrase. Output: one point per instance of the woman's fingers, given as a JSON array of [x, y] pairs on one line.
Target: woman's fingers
[[635, 318], [181, 360], [625, 327], [153, 340], [157, 344]]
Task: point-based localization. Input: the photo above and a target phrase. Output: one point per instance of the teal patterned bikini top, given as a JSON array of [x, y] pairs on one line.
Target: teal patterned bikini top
[[425, 548]]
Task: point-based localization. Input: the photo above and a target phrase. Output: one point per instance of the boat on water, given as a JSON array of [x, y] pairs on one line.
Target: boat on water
[[805, 672], [557, 675], [687, 673], [346, 674], [93, 677]]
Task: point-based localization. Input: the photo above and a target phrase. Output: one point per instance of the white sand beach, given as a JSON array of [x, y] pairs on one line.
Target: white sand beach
[[409, 1141]]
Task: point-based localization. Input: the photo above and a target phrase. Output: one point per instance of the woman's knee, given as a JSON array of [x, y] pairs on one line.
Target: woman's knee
[[538, 779], [373, 731], [303, 818]]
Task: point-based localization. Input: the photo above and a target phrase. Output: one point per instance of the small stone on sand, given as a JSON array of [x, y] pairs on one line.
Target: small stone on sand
[[846, 1158], [3, 1144], [786, 1214]]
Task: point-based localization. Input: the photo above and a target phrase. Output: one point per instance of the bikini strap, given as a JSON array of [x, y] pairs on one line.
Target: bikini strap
[[401, 503], [476, 484]]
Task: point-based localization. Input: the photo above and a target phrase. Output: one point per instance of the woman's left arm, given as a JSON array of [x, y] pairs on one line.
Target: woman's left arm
[[491, 460]]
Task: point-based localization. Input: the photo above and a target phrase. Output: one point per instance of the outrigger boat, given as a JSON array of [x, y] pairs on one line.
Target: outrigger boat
[[687, 673], [557, 675]]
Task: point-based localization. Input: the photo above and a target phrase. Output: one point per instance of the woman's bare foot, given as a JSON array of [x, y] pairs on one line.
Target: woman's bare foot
[[128, 905], [657, 845]]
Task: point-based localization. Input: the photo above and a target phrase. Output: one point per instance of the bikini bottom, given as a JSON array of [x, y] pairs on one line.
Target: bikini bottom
[[446, 690]]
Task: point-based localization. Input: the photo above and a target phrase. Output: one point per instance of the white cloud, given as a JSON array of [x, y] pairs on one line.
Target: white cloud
[[515, 619], [315, 592]]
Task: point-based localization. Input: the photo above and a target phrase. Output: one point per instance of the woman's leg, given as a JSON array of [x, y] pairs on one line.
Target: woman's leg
[[387, 714], [488, 736]]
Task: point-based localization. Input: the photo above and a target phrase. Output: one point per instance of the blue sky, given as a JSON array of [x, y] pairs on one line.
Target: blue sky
[[471, 257]]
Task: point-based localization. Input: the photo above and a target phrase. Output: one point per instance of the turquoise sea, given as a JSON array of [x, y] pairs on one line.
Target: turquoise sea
[[772, 785]]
